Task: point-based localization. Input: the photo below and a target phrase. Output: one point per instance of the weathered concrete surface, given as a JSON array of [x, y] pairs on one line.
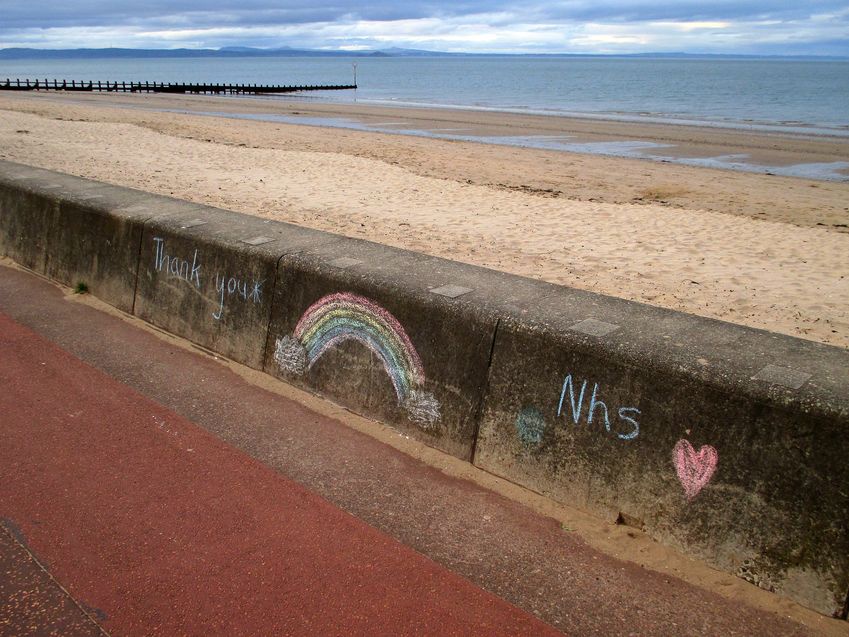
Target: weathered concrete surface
[[208, 275], [662, 419], [499, 544], [74, 230], [25, 213], [374, 337], [725, 441]]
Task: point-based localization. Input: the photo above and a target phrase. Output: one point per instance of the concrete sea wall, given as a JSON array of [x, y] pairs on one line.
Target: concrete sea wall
[[726, 442]]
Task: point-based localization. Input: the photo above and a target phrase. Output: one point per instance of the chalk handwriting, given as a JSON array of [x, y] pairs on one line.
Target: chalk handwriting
[[694, 468], [227, 287], [235, 286], [174, 265], [596, 407]]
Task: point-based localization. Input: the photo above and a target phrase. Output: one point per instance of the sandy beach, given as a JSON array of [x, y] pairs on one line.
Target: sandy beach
[[762, 250]]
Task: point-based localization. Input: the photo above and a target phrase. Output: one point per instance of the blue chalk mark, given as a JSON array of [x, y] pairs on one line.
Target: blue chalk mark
[[597, 403], [576, 408], [530, 425], [636, 430]]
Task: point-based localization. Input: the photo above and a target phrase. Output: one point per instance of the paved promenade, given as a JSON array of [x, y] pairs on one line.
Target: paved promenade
[[146, 489]]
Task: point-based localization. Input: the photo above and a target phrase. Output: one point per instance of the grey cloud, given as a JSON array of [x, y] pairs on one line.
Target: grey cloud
[[56, 13], [326, 22], [703, 10], [61, 13]]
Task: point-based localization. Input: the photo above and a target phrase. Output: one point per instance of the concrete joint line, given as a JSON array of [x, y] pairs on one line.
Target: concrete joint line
[[484, 393], [266, 351], [138, 267]]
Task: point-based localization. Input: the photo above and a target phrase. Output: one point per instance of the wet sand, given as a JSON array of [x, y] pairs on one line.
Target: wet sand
[[757, 249]]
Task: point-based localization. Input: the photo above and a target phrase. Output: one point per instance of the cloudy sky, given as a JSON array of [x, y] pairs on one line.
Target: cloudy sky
[[816, 27]]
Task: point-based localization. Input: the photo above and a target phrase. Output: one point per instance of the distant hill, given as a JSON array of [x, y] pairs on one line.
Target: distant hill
[[246, 51], [397, 52], [116, 53]]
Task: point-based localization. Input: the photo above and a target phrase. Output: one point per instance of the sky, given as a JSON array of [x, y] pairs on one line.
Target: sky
[[793, 27]]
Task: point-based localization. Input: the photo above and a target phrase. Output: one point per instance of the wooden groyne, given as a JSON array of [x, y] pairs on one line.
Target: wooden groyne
[[160, 87]]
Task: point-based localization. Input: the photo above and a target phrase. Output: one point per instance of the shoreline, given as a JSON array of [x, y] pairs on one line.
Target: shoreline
[[801, 129], [626, 149], [694, 143], [568, 87], [760, 250]]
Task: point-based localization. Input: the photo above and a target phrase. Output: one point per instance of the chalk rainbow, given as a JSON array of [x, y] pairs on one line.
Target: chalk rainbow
[[337, 318]]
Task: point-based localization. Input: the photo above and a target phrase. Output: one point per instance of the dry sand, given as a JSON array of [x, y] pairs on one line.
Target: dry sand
[[765, 251]]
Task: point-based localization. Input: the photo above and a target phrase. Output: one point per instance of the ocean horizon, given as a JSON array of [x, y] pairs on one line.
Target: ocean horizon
[[791, 95]]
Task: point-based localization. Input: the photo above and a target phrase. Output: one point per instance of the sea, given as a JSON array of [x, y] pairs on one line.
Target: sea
[[782, 95]]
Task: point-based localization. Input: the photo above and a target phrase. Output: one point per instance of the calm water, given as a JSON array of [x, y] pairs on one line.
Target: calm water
[[737, 93]]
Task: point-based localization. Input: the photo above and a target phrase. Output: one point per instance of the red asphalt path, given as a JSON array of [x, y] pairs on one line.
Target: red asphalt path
[[160, 528]]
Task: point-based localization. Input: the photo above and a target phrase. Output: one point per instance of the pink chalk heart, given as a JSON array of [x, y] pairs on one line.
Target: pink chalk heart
[[695, 469]]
